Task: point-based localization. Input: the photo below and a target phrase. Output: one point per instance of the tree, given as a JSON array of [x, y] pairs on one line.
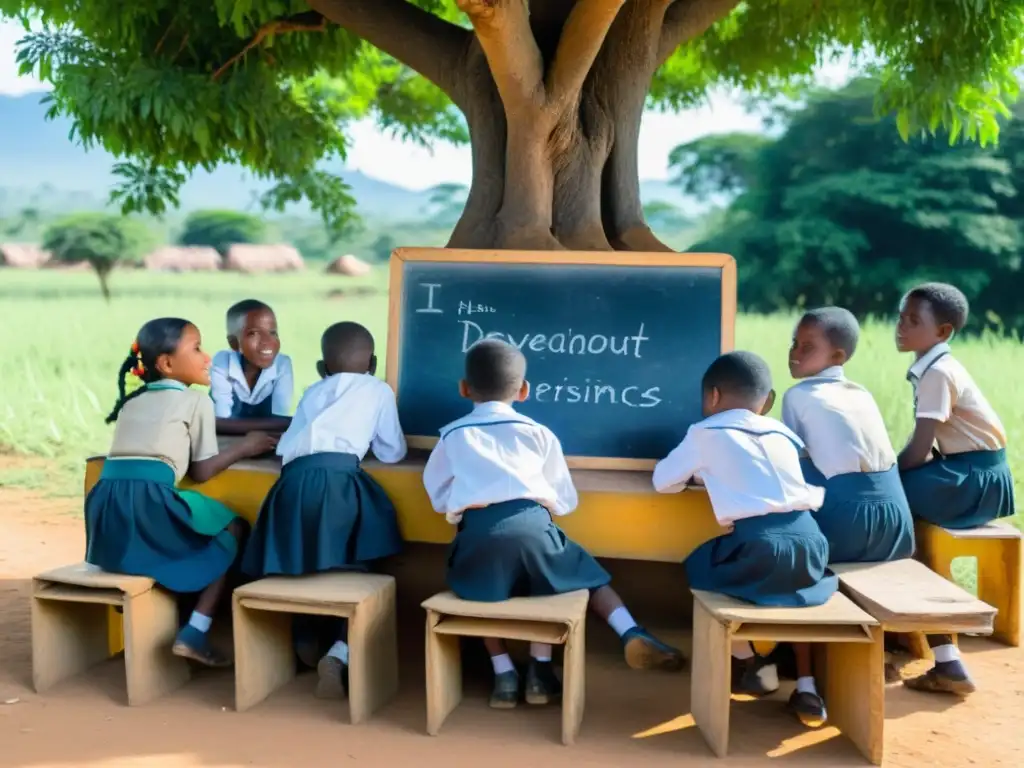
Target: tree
[[839, 210], [445, 203], [222, 229], [382, 247], [664, 215], [102, 240], [549, 92]]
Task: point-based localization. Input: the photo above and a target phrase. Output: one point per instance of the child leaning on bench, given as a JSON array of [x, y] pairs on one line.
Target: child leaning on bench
[[136, 521], [774, 553], [325, 513], [954, 467], [502, 477]]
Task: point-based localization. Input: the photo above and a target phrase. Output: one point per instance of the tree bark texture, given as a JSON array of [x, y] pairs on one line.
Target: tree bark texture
[[553, 92]]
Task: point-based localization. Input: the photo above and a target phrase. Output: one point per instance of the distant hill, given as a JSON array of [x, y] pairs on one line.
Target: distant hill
[[38, 161]]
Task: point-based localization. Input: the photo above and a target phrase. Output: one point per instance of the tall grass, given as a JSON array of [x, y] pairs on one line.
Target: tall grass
[[62, 346]]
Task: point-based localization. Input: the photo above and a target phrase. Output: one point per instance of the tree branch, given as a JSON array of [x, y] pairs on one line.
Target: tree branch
[[419, 39], [503, 29], [686, 19], [581, 40], [303, 22]]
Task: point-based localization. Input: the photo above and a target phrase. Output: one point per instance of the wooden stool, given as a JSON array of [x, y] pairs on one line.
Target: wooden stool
[[264, 653], [70, 606], [848, 670], [997, 547], [906, 596], [556, 620]]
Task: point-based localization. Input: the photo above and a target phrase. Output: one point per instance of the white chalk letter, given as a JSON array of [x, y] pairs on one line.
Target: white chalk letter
[[430, 308], [466, 342]]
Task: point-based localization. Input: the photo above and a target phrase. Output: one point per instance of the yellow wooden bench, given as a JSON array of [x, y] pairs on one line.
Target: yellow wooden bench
[[70, 610], [997, 547], [264, 655], [557, 620], [848, 663]]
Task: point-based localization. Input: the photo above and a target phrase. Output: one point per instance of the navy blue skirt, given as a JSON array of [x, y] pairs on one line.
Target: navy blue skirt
[[865, 517], [778, 559], [136, 523], [962, 490], [513, 549], [323, 514], [261, 410]]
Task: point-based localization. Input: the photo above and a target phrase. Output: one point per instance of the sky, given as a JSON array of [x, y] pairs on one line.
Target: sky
[[377, 154]]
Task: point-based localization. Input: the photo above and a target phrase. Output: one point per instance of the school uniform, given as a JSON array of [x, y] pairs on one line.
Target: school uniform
[[750, 465], [136, 520], [232, 398], [325, 513], [968, 482], [865, 515], [501, 477]]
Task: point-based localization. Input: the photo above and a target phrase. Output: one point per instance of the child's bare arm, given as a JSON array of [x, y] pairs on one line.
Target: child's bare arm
[[253, 444], [244, 426], [920, 446]]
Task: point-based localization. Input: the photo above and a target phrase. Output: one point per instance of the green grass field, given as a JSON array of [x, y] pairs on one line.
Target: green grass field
[[63, 346]]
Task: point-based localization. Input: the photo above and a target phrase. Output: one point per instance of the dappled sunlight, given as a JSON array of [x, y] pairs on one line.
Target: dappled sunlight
[[680, 723]]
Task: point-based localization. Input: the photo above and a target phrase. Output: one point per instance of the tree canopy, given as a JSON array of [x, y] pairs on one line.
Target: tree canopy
[[222, 229], [101, 240], [550, 91], [839, 210]]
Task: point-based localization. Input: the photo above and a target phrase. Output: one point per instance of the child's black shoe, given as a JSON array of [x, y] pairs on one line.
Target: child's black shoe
[[809, 708], [542, 684], [332, 678], [944, 677], [755, 676], [644, 651], [506, 690]]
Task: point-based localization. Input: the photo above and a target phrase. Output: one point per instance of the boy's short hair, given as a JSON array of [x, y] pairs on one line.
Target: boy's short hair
[[495, 370], [948, 303], [739, 373], [346, 346], [838, 325], [238, 312]]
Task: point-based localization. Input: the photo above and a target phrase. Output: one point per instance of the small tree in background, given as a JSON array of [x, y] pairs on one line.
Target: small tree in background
[[382, 247], [101, 240], [222, 229]]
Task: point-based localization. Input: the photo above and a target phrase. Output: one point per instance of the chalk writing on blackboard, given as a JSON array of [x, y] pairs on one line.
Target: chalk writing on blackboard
[[430, 308]]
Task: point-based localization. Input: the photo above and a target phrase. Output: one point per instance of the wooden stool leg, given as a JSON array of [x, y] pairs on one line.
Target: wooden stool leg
[[574, 682], [150, 624], [999, 577], [264, 656], [67, 638], [444, 675], [373, 655], [711, 679], [854, 689]]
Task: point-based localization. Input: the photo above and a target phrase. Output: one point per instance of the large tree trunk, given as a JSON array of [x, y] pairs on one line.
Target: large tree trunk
[[553, 92]]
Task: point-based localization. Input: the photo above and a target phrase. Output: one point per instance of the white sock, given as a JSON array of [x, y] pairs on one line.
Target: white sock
[[502, 664], [540, 651], [339, 651], [945, 653], [621, 621], [806, 685], [768, 674], [742, 649], [200, 622]]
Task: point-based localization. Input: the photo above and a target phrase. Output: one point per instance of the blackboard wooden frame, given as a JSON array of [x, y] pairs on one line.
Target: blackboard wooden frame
[[597, 258]]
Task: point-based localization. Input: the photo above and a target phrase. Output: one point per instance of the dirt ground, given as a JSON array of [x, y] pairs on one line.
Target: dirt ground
[[631, 718]]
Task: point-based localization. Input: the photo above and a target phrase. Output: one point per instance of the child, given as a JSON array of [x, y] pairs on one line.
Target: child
[[251, 382], [966, 482], [774, 553], [136, 522], [865, 517], [324, 513], [501, 477]]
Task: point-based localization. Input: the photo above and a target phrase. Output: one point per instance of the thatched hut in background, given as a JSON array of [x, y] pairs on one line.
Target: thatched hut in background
[[263, 258], [183, 259], [22, 256], [349, 266]]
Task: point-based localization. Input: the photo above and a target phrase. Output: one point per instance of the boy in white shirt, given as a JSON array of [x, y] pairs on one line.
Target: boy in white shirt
[[325, 513], [251, 383], [865, 517], [954, 467], [502, 477], [774, 553]]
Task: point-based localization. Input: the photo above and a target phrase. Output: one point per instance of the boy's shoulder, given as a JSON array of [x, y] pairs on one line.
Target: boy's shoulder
[[222, 359], [478, 420]]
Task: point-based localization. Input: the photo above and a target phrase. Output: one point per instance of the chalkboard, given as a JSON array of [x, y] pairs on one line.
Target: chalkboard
[[616, 343]]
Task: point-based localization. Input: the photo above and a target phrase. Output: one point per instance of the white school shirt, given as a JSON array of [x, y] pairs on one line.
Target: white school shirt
[[227, 382], [946, 392], [345, 413], [839, 423], [493, 455], [749, 464]]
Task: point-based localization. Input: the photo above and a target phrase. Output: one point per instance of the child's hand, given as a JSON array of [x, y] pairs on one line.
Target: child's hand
[[257, 443]]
